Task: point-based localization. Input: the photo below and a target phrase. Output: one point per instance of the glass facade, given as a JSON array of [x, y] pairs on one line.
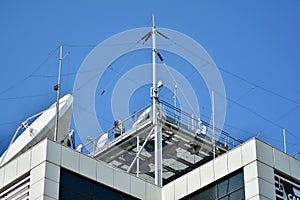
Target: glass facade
[[74, 186], [230, 187]]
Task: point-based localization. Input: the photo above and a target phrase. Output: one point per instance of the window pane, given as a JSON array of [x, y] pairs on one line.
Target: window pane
[[225, 198], [76, 183], [230, 184], [223, 188], [236, 181], [65, 194], [238, 195], [74, 186], [105, 193], [208, 194]]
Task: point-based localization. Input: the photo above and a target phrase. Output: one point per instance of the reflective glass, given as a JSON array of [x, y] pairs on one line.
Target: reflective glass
[[73, 186], [229, 188], [230, 184], [208, 194], [65, 194], [76, 183], [238, 195]]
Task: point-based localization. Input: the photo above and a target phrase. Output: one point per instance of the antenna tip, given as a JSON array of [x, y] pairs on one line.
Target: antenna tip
[[153, 20]]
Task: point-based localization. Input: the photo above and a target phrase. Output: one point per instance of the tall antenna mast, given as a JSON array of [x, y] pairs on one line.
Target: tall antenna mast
[[57, 88], [157, 129]]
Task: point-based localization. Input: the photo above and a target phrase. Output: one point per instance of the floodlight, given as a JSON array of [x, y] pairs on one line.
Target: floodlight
[[160, 84]]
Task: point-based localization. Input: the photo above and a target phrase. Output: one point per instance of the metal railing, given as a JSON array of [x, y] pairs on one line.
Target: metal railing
[[198, 127], [116, 132], [171, 114]]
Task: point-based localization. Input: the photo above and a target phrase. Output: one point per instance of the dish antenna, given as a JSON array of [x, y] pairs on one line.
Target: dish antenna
[[43, 127]]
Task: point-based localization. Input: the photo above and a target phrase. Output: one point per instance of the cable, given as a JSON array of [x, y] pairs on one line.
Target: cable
[[27, 77], [119, 73], [260, 116], [96, 74], [282, 116], [79, 45], [238, 77], [173, 78], [260, 87], [254, 87], [23, 97]]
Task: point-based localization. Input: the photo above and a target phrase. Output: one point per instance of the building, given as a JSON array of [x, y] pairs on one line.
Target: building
[[166, 155], [251, 170]]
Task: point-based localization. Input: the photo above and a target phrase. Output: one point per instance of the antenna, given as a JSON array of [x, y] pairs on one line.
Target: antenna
[[23, 125], [175, 103], [40, 128], [213, 122], [284, 140], [153, 20], [157, 129], [57, 88]]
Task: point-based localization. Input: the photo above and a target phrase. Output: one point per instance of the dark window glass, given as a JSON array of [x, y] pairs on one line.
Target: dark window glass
[[238, 195], [76, 183], [230, 184], [74, 186], [65, 194], [208, 194], [231, 187], [101, 192], [225, 198]]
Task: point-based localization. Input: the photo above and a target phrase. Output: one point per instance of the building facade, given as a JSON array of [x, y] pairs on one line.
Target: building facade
[[254, 170]]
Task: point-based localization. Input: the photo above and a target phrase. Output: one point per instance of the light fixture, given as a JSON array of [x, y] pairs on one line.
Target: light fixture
[[160, 84]]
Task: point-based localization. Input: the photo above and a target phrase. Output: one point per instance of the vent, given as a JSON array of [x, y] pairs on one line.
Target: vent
[[17, 191]]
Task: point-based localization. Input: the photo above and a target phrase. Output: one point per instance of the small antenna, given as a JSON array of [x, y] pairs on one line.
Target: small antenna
[[284, 140], [153, 20]]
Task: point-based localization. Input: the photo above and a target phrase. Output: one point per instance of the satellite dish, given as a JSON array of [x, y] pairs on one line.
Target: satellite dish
[[79, 148], [142, 117], [102, 141], [43, 127]]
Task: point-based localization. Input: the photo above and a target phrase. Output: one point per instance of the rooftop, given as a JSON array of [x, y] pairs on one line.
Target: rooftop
[[187, 143]]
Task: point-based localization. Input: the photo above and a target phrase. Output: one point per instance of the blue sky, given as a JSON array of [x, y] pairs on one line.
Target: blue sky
[[255, 45]]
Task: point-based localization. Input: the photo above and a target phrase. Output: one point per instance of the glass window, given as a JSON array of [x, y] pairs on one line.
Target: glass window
[[208, 194], [74, 186], [230, 184], [65, 194], [238, 195], [231, 187], [76, 183], [101, 192]]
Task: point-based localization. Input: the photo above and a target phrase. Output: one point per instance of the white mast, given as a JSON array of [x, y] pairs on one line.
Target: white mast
[[57, 88], [157, 128], [154, 89], [284, 140], [213, 123]]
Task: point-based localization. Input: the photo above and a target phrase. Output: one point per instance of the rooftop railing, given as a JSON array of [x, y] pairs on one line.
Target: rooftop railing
[[169, 115]]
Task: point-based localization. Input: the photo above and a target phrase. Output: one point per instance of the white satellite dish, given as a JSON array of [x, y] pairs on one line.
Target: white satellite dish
[[79, 148], [43, 127], [102, 141], [142, 117]]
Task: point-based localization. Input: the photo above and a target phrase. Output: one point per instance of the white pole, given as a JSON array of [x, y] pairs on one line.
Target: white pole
[[213, 123], [175, 103], [58, 92], [138, 160], [157, 130], [154, 89], [284, 140]]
